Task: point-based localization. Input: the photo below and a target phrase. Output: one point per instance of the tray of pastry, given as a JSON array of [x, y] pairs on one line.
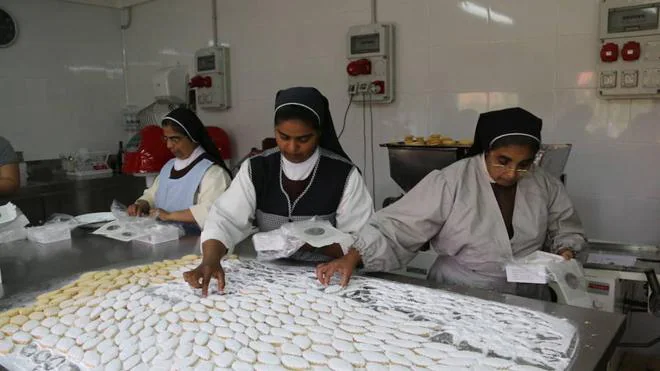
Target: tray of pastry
[[434, 140]]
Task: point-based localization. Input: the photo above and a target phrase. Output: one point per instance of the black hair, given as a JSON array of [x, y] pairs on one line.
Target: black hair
[[186, 122], [311, 107], [293, 112], [516, 140], [176, 127]]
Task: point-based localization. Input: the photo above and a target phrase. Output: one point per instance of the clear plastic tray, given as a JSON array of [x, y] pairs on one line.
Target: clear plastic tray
[[159, 234], [49, 233]]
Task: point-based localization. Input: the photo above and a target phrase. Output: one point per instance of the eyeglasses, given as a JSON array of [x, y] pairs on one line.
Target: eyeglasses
[[520, 172]]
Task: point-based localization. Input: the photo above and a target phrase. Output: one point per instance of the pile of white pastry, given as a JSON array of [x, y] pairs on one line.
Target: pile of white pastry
[[273, 318]]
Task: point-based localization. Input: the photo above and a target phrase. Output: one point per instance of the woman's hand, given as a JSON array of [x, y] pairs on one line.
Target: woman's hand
[[210, 267], [344, 266], [566, 253], [139, 208], [200, 277], [161, 215]]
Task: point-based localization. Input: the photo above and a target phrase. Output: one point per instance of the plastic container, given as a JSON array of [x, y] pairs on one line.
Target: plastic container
[[14, 234], [49, 233], [159, 234]]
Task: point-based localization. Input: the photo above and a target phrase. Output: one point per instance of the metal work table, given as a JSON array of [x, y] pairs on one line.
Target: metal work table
[[39, 199], [28, 269]]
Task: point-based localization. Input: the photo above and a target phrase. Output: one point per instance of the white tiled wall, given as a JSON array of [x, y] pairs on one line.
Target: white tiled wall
[[453, 63], [61, 84]]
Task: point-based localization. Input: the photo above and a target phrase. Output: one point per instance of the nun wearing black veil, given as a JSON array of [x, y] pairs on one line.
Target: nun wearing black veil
[[188, 184], [478, 214], [307, 175]]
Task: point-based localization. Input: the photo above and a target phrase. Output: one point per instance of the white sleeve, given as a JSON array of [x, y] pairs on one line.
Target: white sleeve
[[564, 226], [395, 234], [355, 207], [215, 181], [150, 193], [230, 218]]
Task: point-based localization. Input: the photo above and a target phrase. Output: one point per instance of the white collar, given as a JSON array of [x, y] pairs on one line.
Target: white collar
[[181, 164], [485, 168], [300, 171]]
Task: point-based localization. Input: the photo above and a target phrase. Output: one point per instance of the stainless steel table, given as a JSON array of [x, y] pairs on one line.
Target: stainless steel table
[[28, 269]]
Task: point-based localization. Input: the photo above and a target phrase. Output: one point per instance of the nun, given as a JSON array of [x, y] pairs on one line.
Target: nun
[[478, 214], [307, 175], [188, 184]]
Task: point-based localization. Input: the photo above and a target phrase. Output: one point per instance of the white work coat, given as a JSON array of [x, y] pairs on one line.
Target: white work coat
[[456, 210]]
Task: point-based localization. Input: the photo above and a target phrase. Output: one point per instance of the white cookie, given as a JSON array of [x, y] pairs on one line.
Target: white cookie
[[315, 357], [398, 359], [233, 345], [260, 346], [74, 332], [372, 356], [366, 339], [431, 353], [174, 329], [253, 333], [91, 343], [241, 366], [218, 322], [302, 341], [326, 350], [216, 346], [207, 327], [304, 321], [113, 365], [224, 359], [236, 327], [103, 325], [242, 338], [320, 338], [187, 337], [320, 330], [294, 362], [184, 350], [202, 352], [229, 316], [246, 355], [109, 354], [30, 325], [291, 349], [39, 332], [201, 317], [403, 343], [76, 354], [224, 332], [364, 347], [247, 322], [268, 358], [47, 323], [178, 307], [120, 314], [407, 353], [201, 338], [338, 364], [272, 339], [136, 327], [132, 361], [91, 359], [119, 304], [21, 337], [197, 307], [342, 345], [64, 344], [281, 332]]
